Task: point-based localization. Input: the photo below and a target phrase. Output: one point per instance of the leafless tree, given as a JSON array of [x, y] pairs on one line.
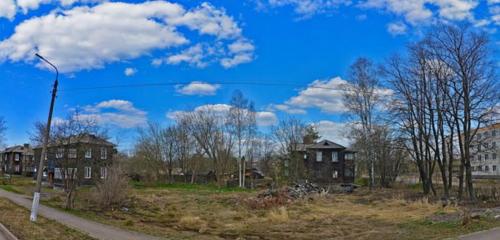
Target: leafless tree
[[474, 86], [362, 100], [289, 135], [211, 134], [68, 134], [242, 123], [445, 90], [3, 128], [148, 160]]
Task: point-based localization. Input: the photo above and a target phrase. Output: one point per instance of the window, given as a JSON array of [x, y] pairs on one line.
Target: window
[[335, 174], [487, 168], [348, 172], [494, 156], [87, 172], [486, 157], [479, 157], [319, 156], [479, 147], [494, 133], [104, 172], [17, 156], [104, 153], [494, 167], [480, 168], [349, 156], [335, 156], [60, 153], [494, 145], [88, 153], [72, 153], [57, 173]]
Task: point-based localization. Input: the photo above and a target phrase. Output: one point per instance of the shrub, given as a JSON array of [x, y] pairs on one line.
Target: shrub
[[112, 191], [279, 215]]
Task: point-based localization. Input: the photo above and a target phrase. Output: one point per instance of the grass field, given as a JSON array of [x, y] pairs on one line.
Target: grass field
[[16, 219], [184, 211]]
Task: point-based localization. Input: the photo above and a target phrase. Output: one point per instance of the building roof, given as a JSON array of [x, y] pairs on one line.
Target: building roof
[[84, 138], [324, 144], [26, 149]]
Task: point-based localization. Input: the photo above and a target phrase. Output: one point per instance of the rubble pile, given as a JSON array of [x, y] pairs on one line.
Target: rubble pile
[[293, 192]]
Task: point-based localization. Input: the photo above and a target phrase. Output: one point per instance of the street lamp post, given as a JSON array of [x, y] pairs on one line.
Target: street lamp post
[[36, 195]]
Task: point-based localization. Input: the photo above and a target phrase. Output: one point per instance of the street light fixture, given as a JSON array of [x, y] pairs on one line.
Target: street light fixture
[[38, 189]]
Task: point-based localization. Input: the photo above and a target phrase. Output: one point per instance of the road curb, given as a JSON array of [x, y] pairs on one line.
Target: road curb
[[6, 233]]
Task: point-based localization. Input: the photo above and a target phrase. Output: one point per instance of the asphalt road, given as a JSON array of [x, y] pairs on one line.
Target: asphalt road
[[93, 229], [492, 234]]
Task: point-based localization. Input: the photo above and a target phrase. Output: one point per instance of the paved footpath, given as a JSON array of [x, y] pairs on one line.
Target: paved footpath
[[492, 234], [93, 229]]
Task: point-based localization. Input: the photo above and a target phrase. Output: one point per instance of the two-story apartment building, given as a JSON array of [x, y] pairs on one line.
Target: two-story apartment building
[[327, 162], [87, 157], [485, 157], [17, 160]]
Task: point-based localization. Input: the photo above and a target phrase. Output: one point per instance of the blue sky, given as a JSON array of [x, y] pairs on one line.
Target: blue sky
[[201, 51]]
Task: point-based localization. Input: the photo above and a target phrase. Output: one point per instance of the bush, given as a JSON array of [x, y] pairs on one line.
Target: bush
[[113, 191]]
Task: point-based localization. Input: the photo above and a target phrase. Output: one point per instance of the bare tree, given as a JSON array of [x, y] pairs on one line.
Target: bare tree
[[211, 134], [362, 99], [2, 134], [289, 135], [241, 119], [148, 161]]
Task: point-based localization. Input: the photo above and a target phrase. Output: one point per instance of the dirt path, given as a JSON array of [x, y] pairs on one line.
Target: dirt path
[[492, 234], [93, 229]]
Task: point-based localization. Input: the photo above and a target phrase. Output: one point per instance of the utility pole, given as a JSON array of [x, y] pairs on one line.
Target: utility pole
[[36, 195]]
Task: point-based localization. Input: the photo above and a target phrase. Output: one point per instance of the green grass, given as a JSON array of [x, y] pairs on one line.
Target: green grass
[[10, 188], [425, 229], [189, 187]]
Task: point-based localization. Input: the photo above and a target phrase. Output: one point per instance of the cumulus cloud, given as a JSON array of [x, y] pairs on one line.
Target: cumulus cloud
[[397, 28], [7, 9], [130, 72], [333, 131], [417, 11], [115, 31], [198, 88], [264, 118], [413, 11], [117, 113], [326, 95], [306, 7]]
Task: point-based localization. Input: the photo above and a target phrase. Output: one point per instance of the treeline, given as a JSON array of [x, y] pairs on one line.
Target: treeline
[[444, 87]]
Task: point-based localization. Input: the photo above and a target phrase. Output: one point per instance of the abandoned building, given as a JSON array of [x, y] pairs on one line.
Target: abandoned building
[[17, 160], [327, 162], [86, 157]]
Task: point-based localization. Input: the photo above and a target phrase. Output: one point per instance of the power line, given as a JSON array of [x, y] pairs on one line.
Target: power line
[[164, 84]]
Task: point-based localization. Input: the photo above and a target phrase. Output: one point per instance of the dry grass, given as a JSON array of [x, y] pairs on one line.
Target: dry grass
[[207, 213], [16, 219], [279, 215]]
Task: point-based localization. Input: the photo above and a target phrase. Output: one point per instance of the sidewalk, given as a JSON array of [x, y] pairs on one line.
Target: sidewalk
[[93, 229]]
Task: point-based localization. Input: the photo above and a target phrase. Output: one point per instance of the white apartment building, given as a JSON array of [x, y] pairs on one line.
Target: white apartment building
[[485, 159]]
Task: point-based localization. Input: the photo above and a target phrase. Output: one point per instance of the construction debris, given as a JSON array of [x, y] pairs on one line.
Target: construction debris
[[294, 192]]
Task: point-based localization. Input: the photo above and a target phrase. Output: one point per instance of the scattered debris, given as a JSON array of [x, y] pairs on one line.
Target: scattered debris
[[294, 192]]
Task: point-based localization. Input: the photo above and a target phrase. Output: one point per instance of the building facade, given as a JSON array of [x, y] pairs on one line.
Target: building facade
[[85, 158], [17, 160], [327, 162], [485, 157]]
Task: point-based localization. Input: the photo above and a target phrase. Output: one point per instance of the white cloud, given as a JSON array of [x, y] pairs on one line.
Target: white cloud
[[7, 9], [417, 11], [287, 108], [264, 118], [198, 88], [326, 95], [333, 131], [307, 7], [130, 72], [397, 28], [323, 94], [116, 31], [118, 113]]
